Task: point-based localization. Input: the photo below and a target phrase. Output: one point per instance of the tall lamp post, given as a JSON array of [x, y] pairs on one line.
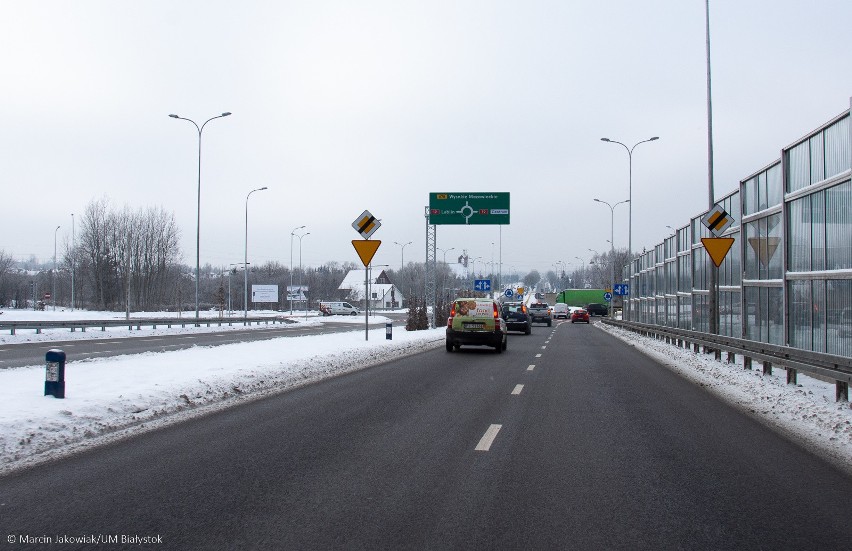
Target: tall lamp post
[[402, 262], [445, 251], [612, 237], [292, 233], [73, 259], [300, 267], [53, 296], [630, 199], [245, 259], [198, 220]]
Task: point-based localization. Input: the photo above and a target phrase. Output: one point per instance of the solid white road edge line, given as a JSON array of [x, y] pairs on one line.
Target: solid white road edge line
[[488, 438]]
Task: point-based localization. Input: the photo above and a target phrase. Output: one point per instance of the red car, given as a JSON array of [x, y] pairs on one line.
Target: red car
[[579, 315]]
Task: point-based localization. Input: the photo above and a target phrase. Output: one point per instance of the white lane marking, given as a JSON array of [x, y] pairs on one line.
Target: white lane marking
[[488, 438], [152, 340], [543, 347], [518, 389], [538, 355], [531, 367]]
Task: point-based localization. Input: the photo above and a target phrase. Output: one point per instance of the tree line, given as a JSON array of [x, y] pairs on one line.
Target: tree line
[[131, 259]]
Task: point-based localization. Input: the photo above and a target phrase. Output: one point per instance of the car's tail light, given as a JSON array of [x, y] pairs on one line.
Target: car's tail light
[[496, 312]]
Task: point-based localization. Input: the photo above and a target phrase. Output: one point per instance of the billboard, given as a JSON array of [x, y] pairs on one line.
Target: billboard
[[469, 208], [264, 293]]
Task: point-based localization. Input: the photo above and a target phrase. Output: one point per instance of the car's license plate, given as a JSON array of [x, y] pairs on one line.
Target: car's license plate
[[473, 325]]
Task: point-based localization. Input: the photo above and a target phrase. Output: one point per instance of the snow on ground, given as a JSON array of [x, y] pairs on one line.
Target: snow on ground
[[806, 412], [304, 319], [116, 397]]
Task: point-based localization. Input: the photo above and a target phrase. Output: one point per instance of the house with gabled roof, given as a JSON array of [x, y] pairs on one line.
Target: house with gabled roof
[[383, 294]]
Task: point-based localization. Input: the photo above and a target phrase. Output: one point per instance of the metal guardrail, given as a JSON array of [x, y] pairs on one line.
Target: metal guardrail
[[793, 360], [137, 323]]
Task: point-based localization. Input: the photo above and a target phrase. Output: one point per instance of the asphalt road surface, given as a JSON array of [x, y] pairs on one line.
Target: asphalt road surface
[[569, 440]]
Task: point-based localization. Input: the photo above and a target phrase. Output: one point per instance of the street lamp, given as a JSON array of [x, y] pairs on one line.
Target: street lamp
[[73, 259], [402, 262], [630, 197], [612, 236], [445, 251], [198, 222], [53, 296], [291, 266], [245, 259], [300, 267]]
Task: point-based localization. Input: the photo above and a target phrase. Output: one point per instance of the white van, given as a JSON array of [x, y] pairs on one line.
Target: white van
[[342, 308], [560, 310]]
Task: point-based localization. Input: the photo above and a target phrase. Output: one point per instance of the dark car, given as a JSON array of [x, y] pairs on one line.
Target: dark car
[[517, 317], [596, 309], [580, 315]]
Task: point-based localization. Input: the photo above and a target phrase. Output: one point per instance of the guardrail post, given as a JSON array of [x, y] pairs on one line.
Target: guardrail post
[[792, 376], [696, 347], [717, 353], [767, 368], [732, 358], [841, 391], [746, 362]]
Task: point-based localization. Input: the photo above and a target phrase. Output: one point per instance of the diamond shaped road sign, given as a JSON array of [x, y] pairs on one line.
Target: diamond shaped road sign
[[366, 224], [717, 220]]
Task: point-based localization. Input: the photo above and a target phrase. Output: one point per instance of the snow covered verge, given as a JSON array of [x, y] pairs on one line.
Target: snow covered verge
[[117, 397], [806, 412]]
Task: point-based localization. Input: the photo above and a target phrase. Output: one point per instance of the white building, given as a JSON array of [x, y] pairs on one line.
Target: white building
[[383, 293]]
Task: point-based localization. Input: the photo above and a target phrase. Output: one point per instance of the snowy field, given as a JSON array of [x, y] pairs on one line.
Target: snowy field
[[116, 397]]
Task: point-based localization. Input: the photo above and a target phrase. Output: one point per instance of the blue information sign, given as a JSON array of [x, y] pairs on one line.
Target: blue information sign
[[482, 284], [621, 289]]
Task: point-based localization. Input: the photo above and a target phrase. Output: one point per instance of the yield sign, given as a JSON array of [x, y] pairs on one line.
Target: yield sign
[[366, 249], [717, 248]]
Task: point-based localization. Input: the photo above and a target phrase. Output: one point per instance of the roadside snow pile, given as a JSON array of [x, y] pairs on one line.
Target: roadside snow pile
[[110, 398], [806, 411]]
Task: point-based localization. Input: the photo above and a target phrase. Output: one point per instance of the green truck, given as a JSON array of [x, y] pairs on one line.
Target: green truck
[[582, 297]]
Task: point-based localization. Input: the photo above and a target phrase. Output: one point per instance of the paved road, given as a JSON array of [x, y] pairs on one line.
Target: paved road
[[601, 448], [139, 341]]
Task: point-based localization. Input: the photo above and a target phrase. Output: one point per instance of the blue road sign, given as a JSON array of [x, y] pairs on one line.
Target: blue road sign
[[482, 284], [608, 297], [509, 293], [520, 297], [621, 289]]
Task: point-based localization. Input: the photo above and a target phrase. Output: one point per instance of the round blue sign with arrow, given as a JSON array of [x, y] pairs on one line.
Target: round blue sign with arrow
[[509, 293]]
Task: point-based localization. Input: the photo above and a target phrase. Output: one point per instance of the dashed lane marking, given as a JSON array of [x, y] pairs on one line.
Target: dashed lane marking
[[488, 438], [531, 367], [538, 355], [517, 390]]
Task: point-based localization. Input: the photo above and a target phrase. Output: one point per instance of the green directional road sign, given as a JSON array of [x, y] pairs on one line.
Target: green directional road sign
[[469, 208]]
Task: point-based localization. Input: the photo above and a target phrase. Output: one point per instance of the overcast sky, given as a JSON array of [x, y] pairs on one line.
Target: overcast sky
[[344, 106]]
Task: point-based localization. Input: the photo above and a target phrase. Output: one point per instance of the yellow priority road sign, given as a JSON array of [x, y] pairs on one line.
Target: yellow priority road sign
[[366, 249], [366, 224], [717, 220], [717, 248]]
